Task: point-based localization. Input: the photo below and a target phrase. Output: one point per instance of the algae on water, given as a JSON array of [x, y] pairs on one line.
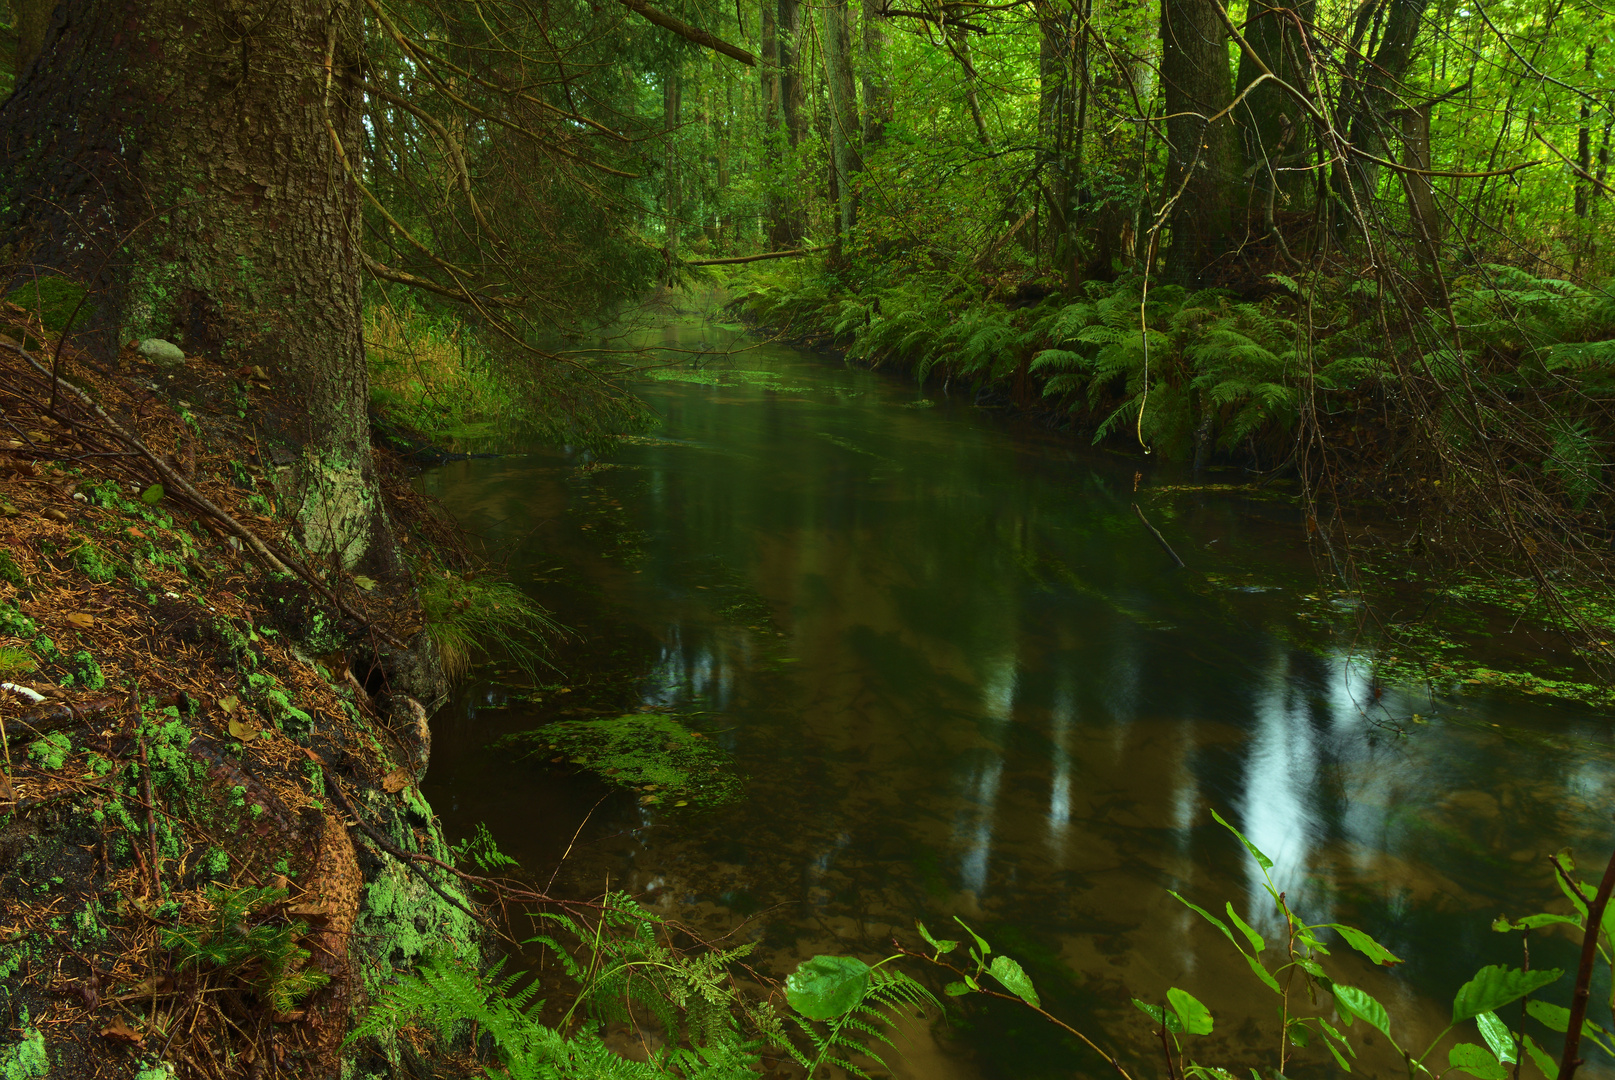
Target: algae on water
[[652, 752]]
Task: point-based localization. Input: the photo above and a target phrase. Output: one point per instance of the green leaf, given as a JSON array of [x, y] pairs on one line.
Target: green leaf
[[1553, 1017], [1208, 916], [1339, 1060], [1532, 922], [1496, 985], [365, 583], [1263, 974], [1195, 1016], [1366, 945], [1497, 1036], [981, 942], [152, 495], [1549, 1067], [1358, 1003], [1329, 1030], [957, 988], [1256, 940], [1261, 860], [1015, 980], [942, 947], [1300, 1035], [1476, 1061], [1161, 1016], [826, 987]]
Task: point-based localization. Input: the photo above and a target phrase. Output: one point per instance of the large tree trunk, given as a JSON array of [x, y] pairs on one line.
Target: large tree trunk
[[844, 127], [1201, 157], [1278, 133], [877, 77], [30, 18], [793, 108], [182, 160]]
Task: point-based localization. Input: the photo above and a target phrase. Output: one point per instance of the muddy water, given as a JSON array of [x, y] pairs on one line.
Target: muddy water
[[963, 680]]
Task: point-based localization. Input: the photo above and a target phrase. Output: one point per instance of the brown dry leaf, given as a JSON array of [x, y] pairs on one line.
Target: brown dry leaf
[[81, 620], [244, 728], [396, 781], [229, 703], [6, 792], [122, 1032]]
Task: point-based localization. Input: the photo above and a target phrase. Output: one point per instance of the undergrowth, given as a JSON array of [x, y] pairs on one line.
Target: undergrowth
[[465, 614]]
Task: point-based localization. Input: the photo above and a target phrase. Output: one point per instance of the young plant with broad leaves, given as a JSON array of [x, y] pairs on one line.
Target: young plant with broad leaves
[[1294, 970]]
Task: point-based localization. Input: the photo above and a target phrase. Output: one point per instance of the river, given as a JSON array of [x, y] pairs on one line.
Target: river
[[963, 680]]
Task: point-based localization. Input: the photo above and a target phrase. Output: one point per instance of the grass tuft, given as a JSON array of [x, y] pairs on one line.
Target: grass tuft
[[465, 616]]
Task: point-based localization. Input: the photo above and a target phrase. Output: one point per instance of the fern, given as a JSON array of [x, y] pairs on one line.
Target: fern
[[835, 1041], [245, 940]]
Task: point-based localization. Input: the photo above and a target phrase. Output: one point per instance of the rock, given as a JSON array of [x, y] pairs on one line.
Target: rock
[[162, 352]]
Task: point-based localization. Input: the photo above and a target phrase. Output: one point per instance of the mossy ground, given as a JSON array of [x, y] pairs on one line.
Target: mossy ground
[[191, 710], [653, 753]]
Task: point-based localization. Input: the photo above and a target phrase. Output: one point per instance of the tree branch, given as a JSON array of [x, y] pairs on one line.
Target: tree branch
[[685, 30]]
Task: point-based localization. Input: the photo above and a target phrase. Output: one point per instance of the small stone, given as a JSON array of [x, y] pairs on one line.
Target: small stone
[[163, 352]]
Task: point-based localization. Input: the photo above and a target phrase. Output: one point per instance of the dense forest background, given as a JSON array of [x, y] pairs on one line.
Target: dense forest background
[[1359, 244]]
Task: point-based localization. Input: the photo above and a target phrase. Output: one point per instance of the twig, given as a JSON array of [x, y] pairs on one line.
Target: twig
[[1159, 539], [1584, 976], [754, 258]]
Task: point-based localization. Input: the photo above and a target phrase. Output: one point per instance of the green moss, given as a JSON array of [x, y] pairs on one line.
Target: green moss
[[93, 562], [10, 572], [86, 671], [51, 751], [53, 298], [652, 752], [27, 1059]]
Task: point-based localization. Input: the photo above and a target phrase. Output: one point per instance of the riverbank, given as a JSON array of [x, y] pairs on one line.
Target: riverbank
[[1433, 595], [213, 848]]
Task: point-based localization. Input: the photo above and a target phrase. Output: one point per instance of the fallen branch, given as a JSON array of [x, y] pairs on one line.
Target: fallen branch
[[754, 258], [1159, 539]]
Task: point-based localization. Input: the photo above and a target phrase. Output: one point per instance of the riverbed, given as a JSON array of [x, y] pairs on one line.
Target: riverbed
[[962, 679]]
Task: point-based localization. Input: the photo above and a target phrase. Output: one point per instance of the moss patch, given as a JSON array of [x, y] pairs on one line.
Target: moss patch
[[651, 752]]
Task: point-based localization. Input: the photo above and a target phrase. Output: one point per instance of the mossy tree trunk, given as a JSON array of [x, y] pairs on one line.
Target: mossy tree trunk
[[185, 160], [1203, 153]]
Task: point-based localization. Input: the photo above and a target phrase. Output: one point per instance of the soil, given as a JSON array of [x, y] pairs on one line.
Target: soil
[[200, 754]]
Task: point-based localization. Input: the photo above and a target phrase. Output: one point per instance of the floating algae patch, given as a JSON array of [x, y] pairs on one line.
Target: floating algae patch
[[652, 753], [708, 376]]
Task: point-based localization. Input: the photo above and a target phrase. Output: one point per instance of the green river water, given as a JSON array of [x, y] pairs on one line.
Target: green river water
[[960, 678]]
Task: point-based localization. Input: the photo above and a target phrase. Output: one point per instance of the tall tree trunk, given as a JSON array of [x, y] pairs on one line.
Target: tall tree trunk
[[1366, 115], [30, 18], [844, 128], [879, 104], [769, 79], [1277, 133], [959, 42], [670, 175], [793, 107], [1201, 157], [189, 165], [1055, 122]]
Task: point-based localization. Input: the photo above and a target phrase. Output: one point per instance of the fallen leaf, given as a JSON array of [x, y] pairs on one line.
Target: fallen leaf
[[365, 583], [122, 1032], [152, 495], [80, 620], [244, 729], [396, 781], [53, 513], [136, 533], [230, 703]]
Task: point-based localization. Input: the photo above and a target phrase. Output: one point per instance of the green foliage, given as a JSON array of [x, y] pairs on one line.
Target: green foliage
[[480, 850], [55, 299], [15, 663], [626, 969], [844, 1006], [467, 614], [86, 671], [249, 942], [27, 1058], [652, 752], [51, 750], [93, 561], [10, 572]]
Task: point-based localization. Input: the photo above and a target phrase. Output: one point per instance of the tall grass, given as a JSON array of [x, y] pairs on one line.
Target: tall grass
[[466, 616]]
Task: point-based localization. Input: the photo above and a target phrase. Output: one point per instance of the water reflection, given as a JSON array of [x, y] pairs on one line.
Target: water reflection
[[962, 683]]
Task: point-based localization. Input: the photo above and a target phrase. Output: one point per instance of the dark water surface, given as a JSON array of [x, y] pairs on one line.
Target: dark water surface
[[963, 680]]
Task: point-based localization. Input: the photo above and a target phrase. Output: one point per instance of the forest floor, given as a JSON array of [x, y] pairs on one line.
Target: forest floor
[[213, 848]]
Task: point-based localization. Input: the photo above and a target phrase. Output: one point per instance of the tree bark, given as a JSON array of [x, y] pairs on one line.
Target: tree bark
[[31, 19], [792, 222], [844, 127], [1201, 157], [1278, 135], [1366, 114], [879, 104], [670, 175], [187, 163]]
